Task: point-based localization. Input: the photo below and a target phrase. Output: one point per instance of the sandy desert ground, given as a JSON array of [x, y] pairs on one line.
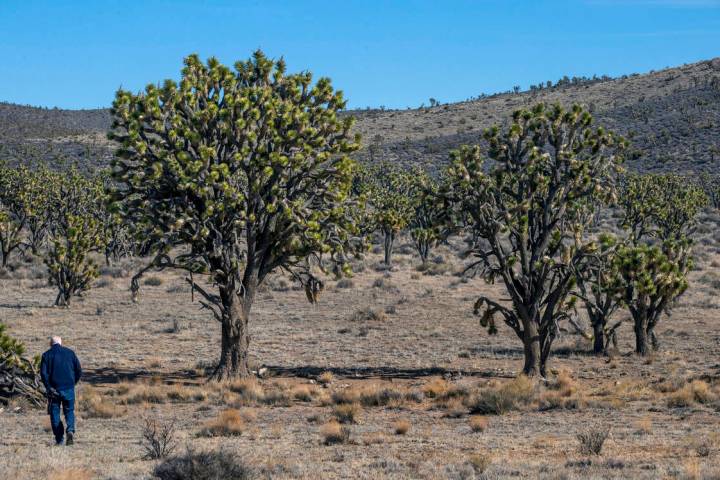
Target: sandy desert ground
[[396, 354]]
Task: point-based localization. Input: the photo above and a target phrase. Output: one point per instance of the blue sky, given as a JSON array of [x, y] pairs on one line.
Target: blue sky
[[75, 54]]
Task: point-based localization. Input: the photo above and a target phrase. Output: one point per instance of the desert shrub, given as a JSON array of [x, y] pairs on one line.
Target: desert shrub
[[158, 438], [345, 283], [368, 314], [333, 433], [696, 391], [385, 285], [347, 412], [229, 423], [153, 281], [210, 465], [103, 283], [509, 396], [592, 440], [478, 423], [401, 426]]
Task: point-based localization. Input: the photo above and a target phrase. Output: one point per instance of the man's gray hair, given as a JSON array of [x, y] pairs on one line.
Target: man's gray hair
[[55, 340]]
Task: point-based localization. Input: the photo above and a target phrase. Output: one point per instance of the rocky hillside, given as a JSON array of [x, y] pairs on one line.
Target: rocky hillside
[[672, 117]]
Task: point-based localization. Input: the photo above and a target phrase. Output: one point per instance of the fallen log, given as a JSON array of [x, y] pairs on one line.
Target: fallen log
[[19, 378]]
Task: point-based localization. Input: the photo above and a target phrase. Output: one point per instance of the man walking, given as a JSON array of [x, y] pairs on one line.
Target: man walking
[[60, 371]]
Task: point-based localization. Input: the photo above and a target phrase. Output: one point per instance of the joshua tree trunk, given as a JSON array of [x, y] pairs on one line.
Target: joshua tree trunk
[[235, 335], [424, 251], [533, 359], [641, 336], [389, 241], [598, 337]]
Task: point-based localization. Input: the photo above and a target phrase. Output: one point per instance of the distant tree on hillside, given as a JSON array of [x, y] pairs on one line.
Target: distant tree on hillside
[[233, 174]]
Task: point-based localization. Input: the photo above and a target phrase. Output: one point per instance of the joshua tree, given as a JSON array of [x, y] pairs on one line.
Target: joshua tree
[[650, 278], [390, 192], [428, 223], [660, 212], [548, 170], [711, 186], [235, 174], [596, 289], [15, 209], [76, 232]]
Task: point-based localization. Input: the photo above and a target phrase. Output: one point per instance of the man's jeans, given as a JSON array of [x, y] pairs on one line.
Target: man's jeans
[[67, 400]]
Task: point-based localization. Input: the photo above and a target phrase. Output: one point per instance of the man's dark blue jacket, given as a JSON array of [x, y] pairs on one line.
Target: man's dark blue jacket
[[60, 368]]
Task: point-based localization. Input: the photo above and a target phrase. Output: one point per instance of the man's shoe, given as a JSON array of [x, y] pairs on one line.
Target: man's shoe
[[69, 440]]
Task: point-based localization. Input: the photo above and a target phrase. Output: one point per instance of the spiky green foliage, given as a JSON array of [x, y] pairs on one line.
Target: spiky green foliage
[[547, 172], [10, 348], [246, 170], [391, 193], [649, 279], [429, 224], [663, 206], [75, 233]]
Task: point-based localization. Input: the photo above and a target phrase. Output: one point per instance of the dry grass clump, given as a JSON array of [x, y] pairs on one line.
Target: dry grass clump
[[498, 400], [401, 426], [304, 393], [478, 423], [333, 433], [347, 412], [368, 314], [141, 393], [643, 426], [229, 423], [454, 407], [562, 393], [436, 387], [592, 440], [479, 462], [249, 390], [71, 474], [696, 391], [325, 378], [179, 393], [93, 405], [374, 395]]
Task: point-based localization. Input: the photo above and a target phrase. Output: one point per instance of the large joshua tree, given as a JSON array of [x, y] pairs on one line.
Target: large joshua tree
[[529, 205], [236, 173]]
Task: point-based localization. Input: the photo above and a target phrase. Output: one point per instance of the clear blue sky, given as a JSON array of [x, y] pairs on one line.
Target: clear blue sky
[[76, 53]]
